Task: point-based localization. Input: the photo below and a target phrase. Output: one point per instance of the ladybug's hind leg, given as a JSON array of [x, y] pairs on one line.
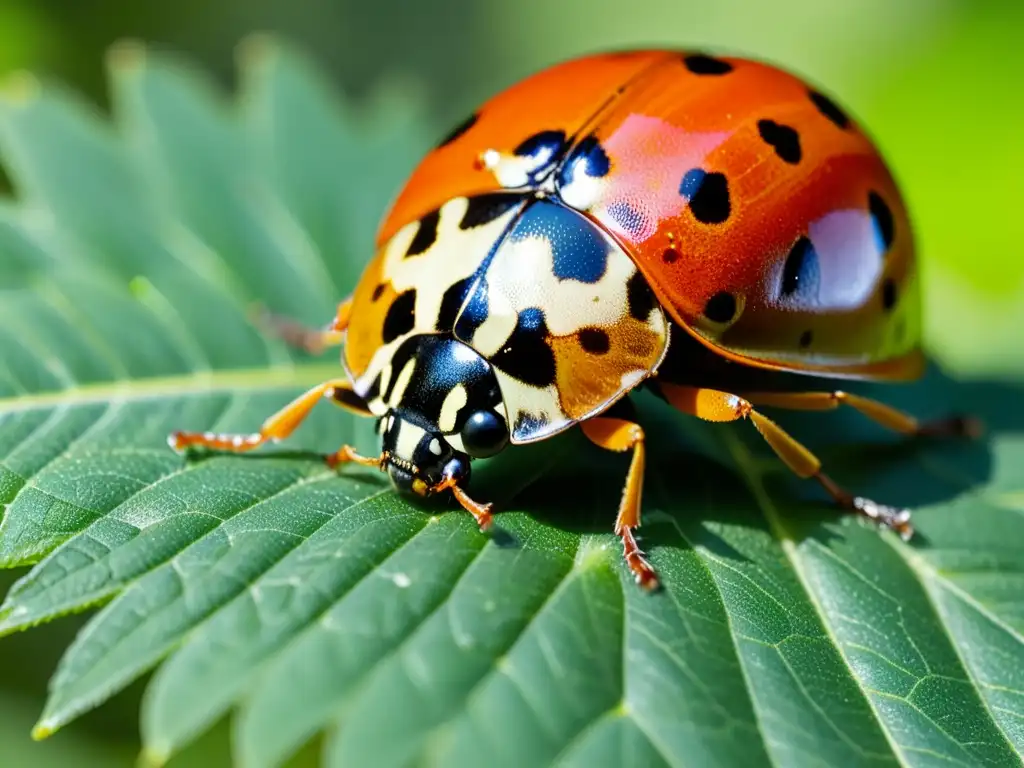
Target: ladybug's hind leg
[[713, 405], [622, 435], [312, 340], [880, 413]]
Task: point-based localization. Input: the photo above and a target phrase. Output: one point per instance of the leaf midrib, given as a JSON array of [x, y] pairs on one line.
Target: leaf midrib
[[189, 383]]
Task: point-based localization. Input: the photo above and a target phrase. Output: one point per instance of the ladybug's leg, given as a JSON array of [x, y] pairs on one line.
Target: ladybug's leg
[[712, 405], [887, 416], [482, 513], [312, 340], [280, 425], [621, 435]]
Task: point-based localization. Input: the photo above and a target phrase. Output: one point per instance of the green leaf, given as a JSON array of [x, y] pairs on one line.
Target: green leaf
[[306, 601]]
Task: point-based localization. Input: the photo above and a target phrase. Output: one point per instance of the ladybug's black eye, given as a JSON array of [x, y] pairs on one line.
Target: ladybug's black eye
[[484, 434]]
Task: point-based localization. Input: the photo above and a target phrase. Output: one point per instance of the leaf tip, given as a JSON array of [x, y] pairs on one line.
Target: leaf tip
[[20, 87], [127, 55], [44, 729], [153, 757]]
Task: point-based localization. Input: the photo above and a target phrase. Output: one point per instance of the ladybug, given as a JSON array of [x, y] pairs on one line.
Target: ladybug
[[714, 229]]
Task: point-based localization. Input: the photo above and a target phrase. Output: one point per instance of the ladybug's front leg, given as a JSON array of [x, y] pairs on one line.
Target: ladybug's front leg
[[280, 425], [621, 435]]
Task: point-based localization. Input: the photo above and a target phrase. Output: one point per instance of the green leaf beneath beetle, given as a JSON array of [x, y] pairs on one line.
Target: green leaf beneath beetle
[[309, 601]]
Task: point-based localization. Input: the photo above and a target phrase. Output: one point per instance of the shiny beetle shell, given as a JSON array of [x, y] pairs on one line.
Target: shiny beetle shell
[[566, 226]]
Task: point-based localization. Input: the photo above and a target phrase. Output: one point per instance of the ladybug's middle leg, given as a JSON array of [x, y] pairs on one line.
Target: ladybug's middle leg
[[622, 435], [713, 405]]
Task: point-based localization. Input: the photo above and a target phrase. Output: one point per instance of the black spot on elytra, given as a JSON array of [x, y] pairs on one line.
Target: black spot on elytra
[[800, 263], [782, 138], [553, 140], [889, 294], [597, 161], [640, 297], [805, 339], [708, 194], [483, 209], [721, 308], [451, 303], [426, 235], [594, 340], [401, 316], [882, 215], [700, 64], [829, 109], [526, 354], [460, 129], [378, 291], [670, 255]]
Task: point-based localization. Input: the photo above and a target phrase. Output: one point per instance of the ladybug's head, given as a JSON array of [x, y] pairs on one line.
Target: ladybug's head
[[444, 409]]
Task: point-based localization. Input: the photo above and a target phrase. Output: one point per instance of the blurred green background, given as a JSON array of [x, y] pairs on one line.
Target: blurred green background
[[937, 82]]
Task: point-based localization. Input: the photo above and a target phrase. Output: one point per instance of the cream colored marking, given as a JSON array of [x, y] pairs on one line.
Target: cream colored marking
[[631, 378], [534, 400], [522, 275], [435, 447], [381, 358], [409, 436], [454, 256], [453, 402], [490, 158], [583, 190], [513, 171], [377, 406], [494, 331], [402, 383]]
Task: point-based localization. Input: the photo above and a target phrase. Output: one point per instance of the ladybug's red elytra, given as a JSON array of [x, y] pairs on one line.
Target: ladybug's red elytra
[[707, 227]]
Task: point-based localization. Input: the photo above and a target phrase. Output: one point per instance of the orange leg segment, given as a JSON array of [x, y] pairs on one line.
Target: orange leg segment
[[713, 405], [312, 340], [482, 513], [621, 435], [880, 413], [281, 425]]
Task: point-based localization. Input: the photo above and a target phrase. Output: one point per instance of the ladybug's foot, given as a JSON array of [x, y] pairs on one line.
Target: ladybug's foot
[[955, 426], [228, 443], [643, 571], [622, 435], [482, 513], [894, 518]]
